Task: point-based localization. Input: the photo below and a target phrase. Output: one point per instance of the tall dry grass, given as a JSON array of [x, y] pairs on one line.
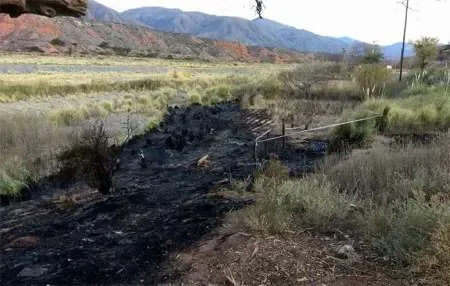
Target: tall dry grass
[[398, 199]]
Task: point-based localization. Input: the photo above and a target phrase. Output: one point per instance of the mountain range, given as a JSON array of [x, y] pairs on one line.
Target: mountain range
[[258, 32], [108, 30]]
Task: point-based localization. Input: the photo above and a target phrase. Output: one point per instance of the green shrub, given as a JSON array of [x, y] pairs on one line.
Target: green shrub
[[315, 203], [434, 261], [14, 182], [372, 79], [425, 112], [402, 229], [152, 124], [195, 98], [108, 106], [352, 135], [289, 204]]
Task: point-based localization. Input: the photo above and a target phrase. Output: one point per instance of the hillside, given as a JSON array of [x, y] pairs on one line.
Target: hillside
[[100, 12], [258, 32], [106, 31], [30, 33]]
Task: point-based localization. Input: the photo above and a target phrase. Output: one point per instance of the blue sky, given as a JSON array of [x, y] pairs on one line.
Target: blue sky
[[373, 21]]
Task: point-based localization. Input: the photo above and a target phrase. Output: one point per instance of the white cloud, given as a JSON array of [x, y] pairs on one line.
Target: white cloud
[[378, 21]]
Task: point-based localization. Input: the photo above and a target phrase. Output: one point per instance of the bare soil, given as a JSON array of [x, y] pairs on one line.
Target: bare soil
[[239, 258]]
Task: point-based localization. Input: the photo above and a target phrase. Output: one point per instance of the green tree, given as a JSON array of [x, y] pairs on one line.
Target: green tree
[[373, 55], [426, 50]]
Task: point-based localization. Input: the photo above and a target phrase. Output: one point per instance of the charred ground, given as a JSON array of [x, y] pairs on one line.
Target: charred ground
[[158, 208]]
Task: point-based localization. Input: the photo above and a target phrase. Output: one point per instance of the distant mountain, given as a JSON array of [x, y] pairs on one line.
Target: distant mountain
[[237, 36], [348, 40], [393, 52], [63, 35], [99, 12], [259, 32]]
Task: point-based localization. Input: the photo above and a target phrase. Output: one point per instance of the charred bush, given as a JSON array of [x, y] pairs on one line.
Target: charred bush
[[91, 159]]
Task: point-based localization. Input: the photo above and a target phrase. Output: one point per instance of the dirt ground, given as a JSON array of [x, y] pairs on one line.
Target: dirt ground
[[162, 224], [239, 258]]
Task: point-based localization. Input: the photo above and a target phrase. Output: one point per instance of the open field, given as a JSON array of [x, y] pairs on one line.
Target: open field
[[176, 190], [62, 95]]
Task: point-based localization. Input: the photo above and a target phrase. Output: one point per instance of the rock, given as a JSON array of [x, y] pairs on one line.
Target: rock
[[24, 242], [347, 252], [35, 271], [49, 8]]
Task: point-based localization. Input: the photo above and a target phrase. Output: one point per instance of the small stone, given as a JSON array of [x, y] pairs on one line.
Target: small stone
[[32, 271], [24, 242], [304, 279], [346, 252]]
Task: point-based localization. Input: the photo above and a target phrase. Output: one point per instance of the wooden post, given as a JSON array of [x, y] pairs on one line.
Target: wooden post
[[404, 40]]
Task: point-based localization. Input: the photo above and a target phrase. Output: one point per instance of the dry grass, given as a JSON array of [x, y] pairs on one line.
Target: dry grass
[[382, 175], [28, 145], [398, 199]]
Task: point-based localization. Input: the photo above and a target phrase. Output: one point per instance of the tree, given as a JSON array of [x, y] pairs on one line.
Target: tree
[[373, 55], [301, 80], [426, 50]]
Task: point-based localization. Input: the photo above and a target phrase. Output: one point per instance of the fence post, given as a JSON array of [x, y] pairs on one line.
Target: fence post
[[284, 133]]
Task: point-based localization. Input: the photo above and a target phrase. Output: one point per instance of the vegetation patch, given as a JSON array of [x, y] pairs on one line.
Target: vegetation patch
[[14, 184], [397, 199]]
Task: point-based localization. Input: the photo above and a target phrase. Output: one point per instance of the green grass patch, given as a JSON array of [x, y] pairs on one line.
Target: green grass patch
[[427, 111], [13, 182]]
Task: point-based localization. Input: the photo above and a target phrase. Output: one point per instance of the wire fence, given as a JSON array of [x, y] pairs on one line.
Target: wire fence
[[279, 142]]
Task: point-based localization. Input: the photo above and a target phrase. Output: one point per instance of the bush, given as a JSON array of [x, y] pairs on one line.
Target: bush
[[13, 184], [153, 123], [67, 117], [91, 158], [434, 261], [107, 106], [195, 98], [428, 111], [383, 176], [315, 203], [288, 204], [347, 136], [372, 79], [403, 229]]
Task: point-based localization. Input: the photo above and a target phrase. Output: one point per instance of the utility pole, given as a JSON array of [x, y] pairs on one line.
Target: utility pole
[[404, 40]]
